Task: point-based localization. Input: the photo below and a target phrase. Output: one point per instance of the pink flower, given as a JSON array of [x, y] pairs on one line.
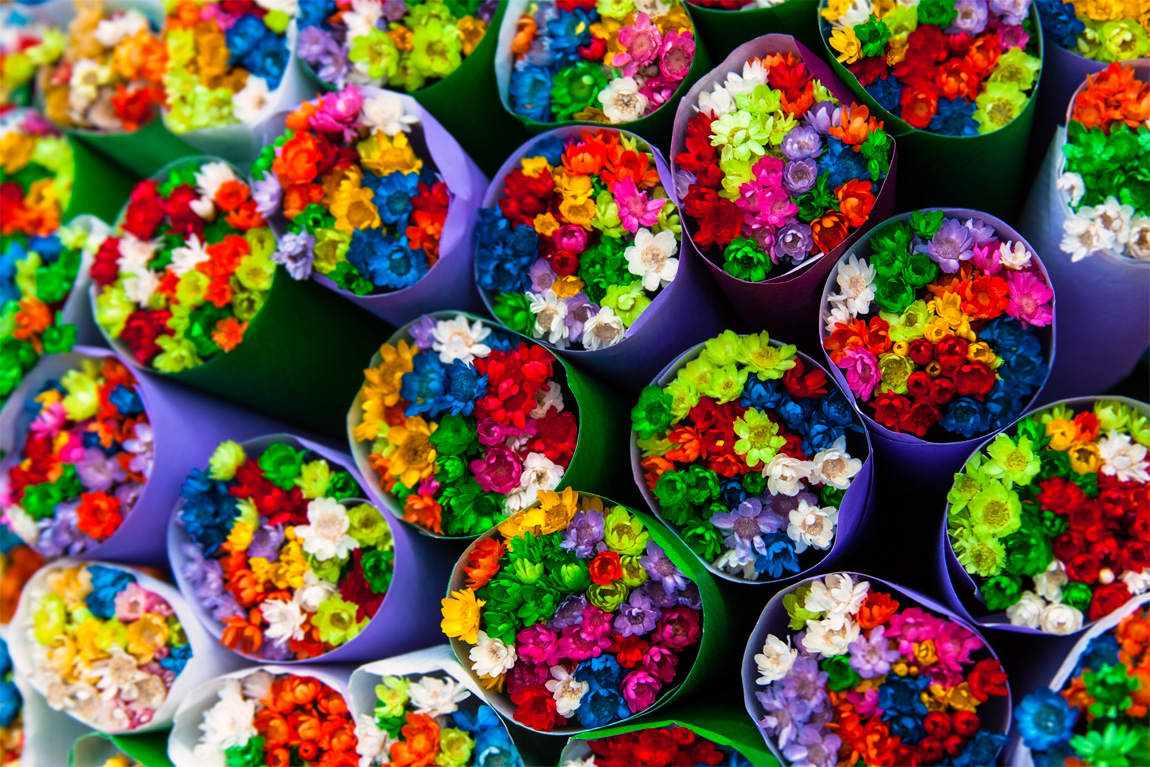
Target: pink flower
[[768, 171], [1030, 299], [493, 433], [677, 54], [643, 42], [1013, 36], [860, 367], [157, 604], [678, 628], [660, 663], [910, 626], [596, 623], [49, 421], [954, 643], [498, 471], [73, 452], [577, 646], [338, 112], [427, 486], [635, 210], [537, 644], [131, 603], [776, 207], [659, 89], [640, 690], [987, 259], [865, 703], [571, 237], [525, 674]]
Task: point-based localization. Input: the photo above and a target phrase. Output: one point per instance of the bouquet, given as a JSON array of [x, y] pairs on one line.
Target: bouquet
[[110, 74], [398, 45], [848, 670], [284, 562], [458, 425], [745, 453], [1048, 520], [775, 171], [576, 610], [85, 453], [1094, 712], [664, 743], [607, 63], [584, 238], [26, 45], [188, 268], [18, 563], [1100, 31], [1103, 179], [936, 322], [11, 707], [37, 169], [952, 67]]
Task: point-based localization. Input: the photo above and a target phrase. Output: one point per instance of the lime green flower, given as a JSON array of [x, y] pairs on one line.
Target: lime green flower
[[634, 575], [335, 621], [455, 748], [901, 20], [726, 384], [966, 485], [684, 396], [1111, 414], [723, 349], [437, 48], [998, 104], [49, 619], [1140, 428], [698, 372], [761, 101], [608, 598], [313, 479], [178, 354], [759, 437], [668, 216], [895, 372], [246, 303], [112, 632], [83, 398], [616, 9], [740, 135], [995, 512], [330, 249], [979, 556], [765, 359], [606, 218], [624, 532], [908, 324], [391, 695], [1014, 462], [376, 53], [368, 527], [627, 301], [1121, 40], [657, 445], [226, 459], [1018, 67], [255, 271], [113, 307]]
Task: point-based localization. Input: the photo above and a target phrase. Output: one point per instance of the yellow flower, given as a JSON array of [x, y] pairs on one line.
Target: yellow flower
[[925, 653], [383, 154], [675, 20], [414, 457], [558, 509], [545, 224], [1085, 458], [579, 212], [71, 584], [471, 31], [15, 151], [572, 187], [86, 634], [353, 208], [896, 50], [1062, 434], [146, 635], [980, 351], [901, 348], [567, 286], [936, 698], [240, 537], [835, 9], [960, 699], [461, 615], [533, 166], [847, 44], [381, 387]]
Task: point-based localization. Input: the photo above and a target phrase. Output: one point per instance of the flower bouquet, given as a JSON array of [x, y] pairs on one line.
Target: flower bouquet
[[377, 199], [186, 287], [228, 67], [1089, 213], [98, 452], [288, 564], [747, 450], [850, 667], [952, 81], [1094, 710], [424, 706], [27, 44], [112, 647], [1047, 521], [267, 715], [941, 325], [31, 733], [581, 613], [459, 424], [579, 246], [18, 563], [623, 63], [776, 169]]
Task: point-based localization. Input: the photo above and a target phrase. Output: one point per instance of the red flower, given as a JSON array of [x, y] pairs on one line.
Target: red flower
[[526, 196], [655, 747], [143, 213], [801, 383], [141, 330], [829, 230], [105, 266], [514, 379], [918, 384], [973, 379], [1059, 494], [556, 436], [536, 708], [1135, 555], [178, 208], [937, 724], [983, 54], [919, 104], [867, 70], [987, 678], [876, 610], [951, 352], [1106, 599], [921, 351], [919, 418], [957, 79], [355, 589], [889, 409], [965, 723], [942, 391], [1069, 545], [1083, 568], [98, 514], [628, 651], [877, 336], [718, 218], [606, 568]]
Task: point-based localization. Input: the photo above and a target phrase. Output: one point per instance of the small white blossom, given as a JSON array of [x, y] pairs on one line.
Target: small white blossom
[[775, 660], [622, 102]]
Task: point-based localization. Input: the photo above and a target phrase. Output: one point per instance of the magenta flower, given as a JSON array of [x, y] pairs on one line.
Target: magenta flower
[[640, 689], [642, 41], [678, 628], [658, 89], [635, 210], [677, 55], [537, 644], [48, 421], [987, 259], [954, 644], [912, 625], [860, 367], [338, 112], [660, 663], [498, 471], [1030, 299], [571, 237], [73, 452], [579, 646]]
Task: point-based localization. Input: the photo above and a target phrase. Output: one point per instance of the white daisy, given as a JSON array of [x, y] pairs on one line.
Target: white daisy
[[651, 258], [459, 339], [603, 330], [437, 697], [325, 536], [491, 657], [622, 102], [550, 317]]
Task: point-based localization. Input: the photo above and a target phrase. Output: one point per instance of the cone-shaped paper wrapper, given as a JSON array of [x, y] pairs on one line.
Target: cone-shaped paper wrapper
[[597, 461], [186, 724], [857, 501], [48, 733], [402, 622], [959, 588], [994, 714], [93, 750], [209, 657], [186, 427], [688, 679], [683, 313], [1062, 71], [100, 187], [932, 463], [723, 31], [783, 303]]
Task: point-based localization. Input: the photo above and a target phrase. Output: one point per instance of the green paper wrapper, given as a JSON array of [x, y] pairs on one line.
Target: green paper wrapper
[[714, 636], [984, 172], [100, 187], [149, 749], [723, 31]]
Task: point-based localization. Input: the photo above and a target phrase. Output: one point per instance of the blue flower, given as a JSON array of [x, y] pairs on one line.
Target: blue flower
[[732, 493], [10, 703], [601, 707], [503, 255], [1007, 336], [177, 658], [500, 342], [463, 388], [423, 386], [126, 401], [49, 248], [492, 226], [762, 395], [5, 659], [795, 413], [779, 558], [208, 511], [482, 718], [955, 117], [531, 91], [384, 260], [1002, 406], [568, 32], [1060, 22], [244, 36], [887, 92], [312, 13], [393, 193], [493, 748], [820, 436], [901, 696], [1044, 719], [601, 672], [837, 410], [268, 59], [106, 584], [550, 147], [842, 163], [965, 416], [980, 750], [1102, 651], [8, 540], [524, 242]]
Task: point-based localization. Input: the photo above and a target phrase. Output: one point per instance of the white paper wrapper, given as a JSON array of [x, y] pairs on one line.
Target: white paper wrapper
[[208, 659], [429, 661], [48, 734], [91, 750]]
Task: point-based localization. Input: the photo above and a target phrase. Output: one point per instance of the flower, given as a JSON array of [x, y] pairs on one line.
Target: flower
[[622, 101], [436, 697], [326, 534], [1124, 459], [567, 691], [650, 258], [490, 657], [461, 615], [856, 280], [286, 620], [775, 661]]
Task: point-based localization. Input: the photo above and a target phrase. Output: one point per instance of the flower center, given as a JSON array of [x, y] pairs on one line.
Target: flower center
[[746, 528], [653, 257], [834, 467], [996, 514], [1016, 461]]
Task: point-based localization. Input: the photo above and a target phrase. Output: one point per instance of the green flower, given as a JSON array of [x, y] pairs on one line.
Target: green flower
[[743, 259], [572, 577], [391, 696], [455, 747], [1077, 595], [281, 463], [527, 572], [726, 384], [895, 237], [377, 53], [455, 436], [670, 489], [249, 754], [575, 88], [793, 604], [369, 528], [996, 511], [893, 294], [378, 568], [1111, 747], [652, 414], [873, 35], [1110, 686], [926, 223], [984, 557], [759, 440], [937, 12], [918, 270], [1121, 40], [634, 575], [623, 532], [704, 539], [1028, 551], [178, 355], [840, 675], [343, 486], [754, 483], [895, 372], [335, 621], [608, 598], [1111, 415], [1001, 591]]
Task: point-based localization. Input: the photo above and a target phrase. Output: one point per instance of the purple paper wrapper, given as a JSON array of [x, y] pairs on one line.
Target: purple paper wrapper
[[995, 713], [186, 427], [857, 501], [1103, 301], [682, 314], [783, 303], [401, 623], [930, 463], [959, 588]]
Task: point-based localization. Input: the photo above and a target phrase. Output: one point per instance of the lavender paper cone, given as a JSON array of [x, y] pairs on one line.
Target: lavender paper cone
[[684, 312], [186, 427], [856, 506], [783, 303], [401, 624], [995, 713]]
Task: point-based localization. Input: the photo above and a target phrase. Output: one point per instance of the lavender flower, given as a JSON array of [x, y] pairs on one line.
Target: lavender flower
[[394, 10], [542, 277], [223, 606], [296, 253], [570, 613], [972, 17], [872, 657], [683, 181], [805, 688], [813, 748], [690, 596], [802, 143], [658, 595], [273, 651], [266, 542], [423, 332], [952, 244], [778, 721], [794, 241], [325, 55], [584, 535], [783, 505], [205, 576], [800, 175], [579, 311], [822, 117], [746, 525], [268, 194], [637, 617], [1013, 12], [98, 471], [660, 569], [142, 447], [982, 232]]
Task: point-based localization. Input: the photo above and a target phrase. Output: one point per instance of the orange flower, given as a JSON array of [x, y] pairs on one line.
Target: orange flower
[[983, 54], [299, 120], [626, 163], [306, 724], [98, 514], [228, 333], [876, 610], [420, 742], [829, 230], [857, 124], [1113, 95], [952, 283], [224, 256], [244, 633], [232, 194], [483, 563], [985, 297], [278, 757], [654, 466], [1087, 425], [1140, 698], [299, 196], [185, 14], [219, 292], [957, 79], [856, 201], [425, 511], [33, 318], [797, 102], [845, 334], [331, 702], [245, 587], [585, 158], [302, 689], [273, 727], [689, 448], [299, 159], [245, 217], [525, 29], [1077, 696], [22, 563]]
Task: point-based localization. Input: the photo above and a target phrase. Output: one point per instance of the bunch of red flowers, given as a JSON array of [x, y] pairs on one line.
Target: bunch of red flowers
[[658, 746]]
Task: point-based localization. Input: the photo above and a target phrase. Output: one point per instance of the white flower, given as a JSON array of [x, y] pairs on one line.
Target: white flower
[[203, 207], [858, 13], [285, 620], [362, 17], [1115, 217], [87, 77], [651, 257], [437, 697], [1026, 611], [566, 690], [719, 101], [228, 723], [834, 466], [775, 660], [830, 637], [785, 475], [622, 102], [812, 527], [730, 561], [1123, 458], [142, 446], [289, 7], [836, 312], [1083, 236], [550, 317], [186, 256], [325, 536], [1073, 185], [1137, 582], [491, 657], [459, 339], [111, 31], [539, 473], [652, 8], [251, 100], [837, 595], [856, 280], [22, 524], [603, 330], [212, 175], [384, 111], [1013, 255], [1059, 618], [372, 744], [256, 684], [1138, 246], [140, 286], [117, 674], [754, 74], [135, 255], [1048, 585], [549, 396], [313, 592]]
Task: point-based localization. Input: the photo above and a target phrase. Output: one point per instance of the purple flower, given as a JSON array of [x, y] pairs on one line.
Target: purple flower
[[951, 244], [658, 595], [660, 569], [142, 447], [584, 535], [1013, 12], [204, 576], [690, 597], [97, 471], [486, 10], [59, 534], [822, 117], [637, 617], [570, 613], [127, 493], [542, 276], [296, 252], [423, 332], [800, 175], [813, 748], [268, 194], [223, 606], [802, 143], [579, 310], [872, 656], [983, 233], [683, 181], [971, 18], [783, 505], [746, 525], [794, 241], [805, 688], [266, 542], [326, 56], [394, 10], [274, 651], [778, 719]]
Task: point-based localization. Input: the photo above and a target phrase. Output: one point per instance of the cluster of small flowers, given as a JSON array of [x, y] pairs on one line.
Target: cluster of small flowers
[[1102, 30], [26, 45], [952, 341], [657, 747], [576, 610], [1052, 522], [746, 442]]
